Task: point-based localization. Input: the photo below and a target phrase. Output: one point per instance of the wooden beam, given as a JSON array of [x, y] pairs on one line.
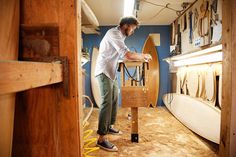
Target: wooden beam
[[19, 76], [9, 39], [228, 112]]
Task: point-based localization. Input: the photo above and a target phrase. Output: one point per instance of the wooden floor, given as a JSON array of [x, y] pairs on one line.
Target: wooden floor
[[161, 135]]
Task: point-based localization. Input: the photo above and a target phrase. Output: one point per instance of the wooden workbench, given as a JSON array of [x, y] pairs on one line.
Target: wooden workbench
[[134, 93]]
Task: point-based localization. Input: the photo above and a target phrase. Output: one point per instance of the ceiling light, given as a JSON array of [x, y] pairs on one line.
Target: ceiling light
[[128, 7]]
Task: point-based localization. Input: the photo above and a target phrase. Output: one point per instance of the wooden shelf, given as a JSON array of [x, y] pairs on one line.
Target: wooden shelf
[[20, 75], [209, 55]]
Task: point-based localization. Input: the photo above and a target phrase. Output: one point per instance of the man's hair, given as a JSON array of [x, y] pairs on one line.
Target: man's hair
[[129, 20]]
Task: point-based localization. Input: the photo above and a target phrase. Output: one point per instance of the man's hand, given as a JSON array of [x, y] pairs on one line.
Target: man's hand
[[147, 57]]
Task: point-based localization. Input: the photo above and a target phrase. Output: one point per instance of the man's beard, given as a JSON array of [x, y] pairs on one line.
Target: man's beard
[[126, 32]]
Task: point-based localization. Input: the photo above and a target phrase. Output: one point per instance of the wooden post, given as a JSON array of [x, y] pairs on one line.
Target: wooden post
[[48, 123], [122, 74], [134, 115], [134, 125], [134, 96], [9, 39], [228, 111]]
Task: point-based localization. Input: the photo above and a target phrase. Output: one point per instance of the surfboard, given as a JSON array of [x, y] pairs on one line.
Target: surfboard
[[181, 84], [89, 20], [199, 116], [88, 17], [94, 83], [153, 72], [210, 86], [202, 91], [192, 83]]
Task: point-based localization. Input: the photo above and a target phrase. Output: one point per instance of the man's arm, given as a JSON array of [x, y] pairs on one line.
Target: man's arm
[[137, 56]]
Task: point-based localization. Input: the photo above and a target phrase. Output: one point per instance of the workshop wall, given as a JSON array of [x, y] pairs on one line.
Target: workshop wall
[[199, 26], [135, 42]]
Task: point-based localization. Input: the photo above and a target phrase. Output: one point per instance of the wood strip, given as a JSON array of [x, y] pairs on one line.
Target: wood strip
[[228, 116], [9, 39], [9, 29], [19, 76], [132, 64], [7, 110], [78, 75]]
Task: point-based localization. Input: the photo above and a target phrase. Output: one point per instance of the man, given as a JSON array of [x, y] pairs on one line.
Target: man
[[112, 47]]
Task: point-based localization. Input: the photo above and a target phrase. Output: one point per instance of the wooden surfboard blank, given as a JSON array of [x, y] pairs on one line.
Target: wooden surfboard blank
[[153, 72], [202, 91], [94, 82], [210, 84], [192, 83]]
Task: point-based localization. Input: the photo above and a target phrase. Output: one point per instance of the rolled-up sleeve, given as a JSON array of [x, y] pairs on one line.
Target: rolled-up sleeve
[[117, 41]]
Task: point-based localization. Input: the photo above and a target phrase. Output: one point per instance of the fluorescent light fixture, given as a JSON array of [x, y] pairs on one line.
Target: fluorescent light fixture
[[208, 58], [128, 7], [198, 53]]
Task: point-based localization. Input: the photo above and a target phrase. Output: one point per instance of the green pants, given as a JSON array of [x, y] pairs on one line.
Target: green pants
[[109, 101]]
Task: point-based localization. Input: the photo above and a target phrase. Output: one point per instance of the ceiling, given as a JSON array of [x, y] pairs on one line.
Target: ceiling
[[108, 12]]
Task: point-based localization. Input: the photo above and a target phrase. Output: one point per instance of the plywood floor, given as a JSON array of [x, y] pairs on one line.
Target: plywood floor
[[161, 135]]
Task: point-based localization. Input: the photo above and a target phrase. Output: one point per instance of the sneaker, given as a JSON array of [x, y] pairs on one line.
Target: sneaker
[[114, 131], [108, 146]]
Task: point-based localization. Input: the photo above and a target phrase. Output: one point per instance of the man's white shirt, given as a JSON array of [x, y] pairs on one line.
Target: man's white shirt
[[112, 47]]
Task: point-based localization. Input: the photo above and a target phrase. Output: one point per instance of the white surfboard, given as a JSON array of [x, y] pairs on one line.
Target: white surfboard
[[94, 82], [198, 116], [88, 17]]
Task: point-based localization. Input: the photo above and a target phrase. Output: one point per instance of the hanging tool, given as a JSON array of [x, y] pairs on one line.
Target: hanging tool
[[190, 27]]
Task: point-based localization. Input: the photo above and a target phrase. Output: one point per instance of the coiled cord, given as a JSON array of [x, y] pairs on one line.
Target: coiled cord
[[87, 133]]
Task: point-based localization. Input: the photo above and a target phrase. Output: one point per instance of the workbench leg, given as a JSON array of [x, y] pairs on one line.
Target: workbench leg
[[134, 126]]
